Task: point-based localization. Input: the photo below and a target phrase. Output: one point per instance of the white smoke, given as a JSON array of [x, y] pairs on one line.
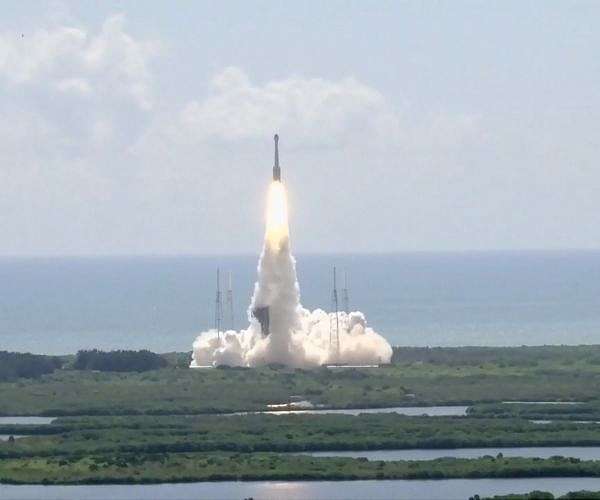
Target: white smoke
[[297, 337]]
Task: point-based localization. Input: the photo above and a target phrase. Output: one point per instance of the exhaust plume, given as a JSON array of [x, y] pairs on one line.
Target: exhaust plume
[[281, 330]]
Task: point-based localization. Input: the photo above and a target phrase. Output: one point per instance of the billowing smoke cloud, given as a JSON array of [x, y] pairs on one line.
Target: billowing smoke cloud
[[296, 336]]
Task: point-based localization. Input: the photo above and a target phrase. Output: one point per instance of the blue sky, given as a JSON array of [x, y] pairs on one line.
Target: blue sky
[[146, 127]]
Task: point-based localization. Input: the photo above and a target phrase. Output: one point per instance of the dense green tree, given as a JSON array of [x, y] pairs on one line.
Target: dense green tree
[[119, 361], [15, 365]]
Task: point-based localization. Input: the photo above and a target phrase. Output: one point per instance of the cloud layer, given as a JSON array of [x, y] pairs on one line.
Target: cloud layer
[[72, 60], [98, 158]]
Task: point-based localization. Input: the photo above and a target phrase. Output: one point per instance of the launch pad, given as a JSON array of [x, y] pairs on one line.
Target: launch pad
[[280, 330]]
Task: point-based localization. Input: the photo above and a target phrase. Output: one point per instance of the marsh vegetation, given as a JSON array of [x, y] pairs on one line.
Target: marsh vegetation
[[165, 424]]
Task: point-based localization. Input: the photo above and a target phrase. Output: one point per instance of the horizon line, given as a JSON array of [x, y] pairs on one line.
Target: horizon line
[[302, 253]]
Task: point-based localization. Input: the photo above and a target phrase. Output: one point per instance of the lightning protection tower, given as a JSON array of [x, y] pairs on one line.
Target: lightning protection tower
[[346, 302], [334, 321], [229, 302], [218, 306], [345, 296]]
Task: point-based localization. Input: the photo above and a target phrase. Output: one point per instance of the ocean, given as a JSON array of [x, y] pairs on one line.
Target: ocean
[[61, 305]]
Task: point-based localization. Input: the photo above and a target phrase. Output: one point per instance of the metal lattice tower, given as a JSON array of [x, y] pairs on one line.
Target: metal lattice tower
[[345, 296], [334, 321], [218, 306], [229, 302], [346, 302]]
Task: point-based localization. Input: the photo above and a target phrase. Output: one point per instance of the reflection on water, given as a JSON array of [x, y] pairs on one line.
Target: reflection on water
[[6, 437], [564, 421], [431, 411], [26, 420], [446, 489], [542, 402]]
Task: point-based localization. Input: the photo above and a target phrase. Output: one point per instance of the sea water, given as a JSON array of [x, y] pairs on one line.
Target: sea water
[[61, 305]]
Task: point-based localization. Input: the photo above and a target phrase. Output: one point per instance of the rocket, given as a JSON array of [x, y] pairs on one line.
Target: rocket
[[276, 169]]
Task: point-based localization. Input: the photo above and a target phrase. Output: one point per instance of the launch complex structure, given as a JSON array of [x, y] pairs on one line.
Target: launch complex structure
[[219, 320], [334, 319], [227, 309]]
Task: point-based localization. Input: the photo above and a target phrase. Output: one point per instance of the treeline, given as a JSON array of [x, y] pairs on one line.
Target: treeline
[[504, 356], [545, 495], [15, 365], [577, 412], [119, 361], [127, 468]]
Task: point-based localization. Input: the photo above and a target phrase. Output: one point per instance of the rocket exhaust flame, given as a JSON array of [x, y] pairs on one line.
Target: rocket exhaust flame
[[281, 330], [277, 229]]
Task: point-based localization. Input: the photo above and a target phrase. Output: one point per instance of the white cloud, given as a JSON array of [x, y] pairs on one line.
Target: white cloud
[[70, 58], [27, 59], [77, 85], [309, 110], [73, 99]]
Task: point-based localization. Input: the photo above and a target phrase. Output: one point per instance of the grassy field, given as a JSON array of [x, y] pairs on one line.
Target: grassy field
[[418, 377]]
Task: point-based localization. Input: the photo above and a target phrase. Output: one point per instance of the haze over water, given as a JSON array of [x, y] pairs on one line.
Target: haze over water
[[60, 305]]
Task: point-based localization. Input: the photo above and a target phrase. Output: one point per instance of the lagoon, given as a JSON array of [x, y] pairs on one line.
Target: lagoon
[[446, 489]]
